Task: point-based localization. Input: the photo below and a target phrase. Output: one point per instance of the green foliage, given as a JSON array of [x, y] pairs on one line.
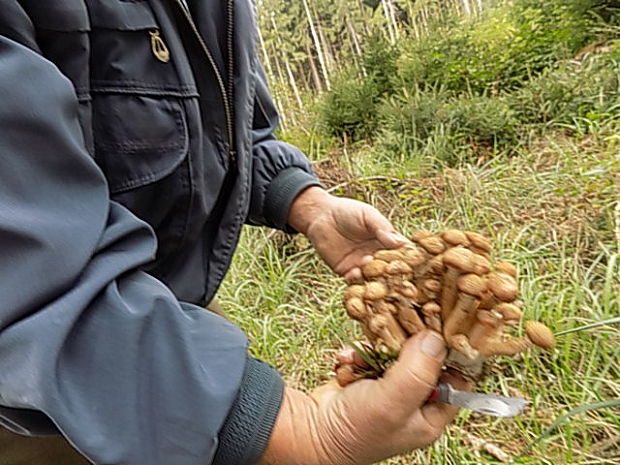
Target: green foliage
[[589, 88], [473, 89], [483, 122], [349, 108], [432, 123], [512, 43], [379, 63]]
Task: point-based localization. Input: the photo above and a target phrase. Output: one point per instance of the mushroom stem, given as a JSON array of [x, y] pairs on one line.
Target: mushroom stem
[[431, 312], [511, 346], [457, 260], [460, 342], [384, 326], [461, 318], [409, 318], [486, 330]]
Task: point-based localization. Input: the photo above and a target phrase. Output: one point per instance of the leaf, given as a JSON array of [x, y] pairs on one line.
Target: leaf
[[367, 354]]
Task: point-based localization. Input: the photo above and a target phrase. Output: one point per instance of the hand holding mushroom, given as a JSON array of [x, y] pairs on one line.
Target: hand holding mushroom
[[444, 282]]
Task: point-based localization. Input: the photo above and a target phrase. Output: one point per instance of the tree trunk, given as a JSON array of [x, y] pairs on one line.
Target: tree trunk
[[266, 60], [390, 24], [316, 79], [291, 78], [466, 7], [317, 44]]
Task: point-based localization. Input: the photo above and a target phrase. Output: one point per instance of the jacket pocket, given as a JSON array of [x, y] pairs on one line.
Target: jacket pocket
[[139, 120], [139, 139], [130, 51]]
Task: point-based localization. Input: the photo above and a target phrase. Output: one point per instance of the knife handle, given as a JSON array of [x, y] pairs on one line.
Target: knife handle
[[440, 393]]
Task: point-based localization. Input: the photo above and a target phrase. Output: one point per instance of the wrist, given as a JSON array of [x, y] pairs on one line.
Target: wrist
[[306, 207], [293, 440]]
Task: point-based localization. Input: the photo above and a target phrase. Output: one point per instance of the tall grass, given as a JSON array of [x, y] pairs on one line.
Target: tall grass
[[549, 209]]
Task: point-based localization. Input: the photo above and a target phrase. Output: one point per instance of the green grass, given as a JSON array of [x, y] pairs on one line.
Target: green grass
[[549, 209]]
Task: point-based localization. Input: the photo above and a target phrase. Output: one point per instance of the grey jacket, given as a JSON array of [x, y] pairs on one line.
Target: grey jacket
[[135, 141]]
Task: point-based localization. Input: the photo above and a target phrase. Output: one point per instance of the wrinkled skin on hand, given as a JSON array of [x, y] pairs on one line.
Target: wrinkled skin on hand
[[345, 232], [369, 420]]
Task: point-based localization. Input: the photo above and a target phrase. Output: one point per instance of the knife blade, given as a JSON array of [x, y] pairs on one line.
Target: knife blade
[[486, 404]]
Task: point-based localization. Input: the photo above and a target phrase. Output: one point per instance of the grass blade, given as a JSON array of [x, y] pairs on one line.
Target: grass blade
[[567, 416], [611, 321]]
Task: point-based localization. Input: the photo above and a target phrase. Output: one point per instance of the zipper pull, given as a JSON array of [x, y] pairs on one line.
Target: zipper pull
[[158, 46]]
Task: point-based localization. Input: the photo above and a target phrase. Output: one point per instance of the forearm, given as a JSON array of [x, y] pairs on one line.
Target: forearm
[[291, 441]]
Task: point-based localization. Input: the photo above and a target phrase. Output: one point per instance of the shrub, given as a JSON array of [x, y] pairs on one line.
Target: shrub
[[574, 89], [509, 45], [485, 123], [433, 122], [349, 108]]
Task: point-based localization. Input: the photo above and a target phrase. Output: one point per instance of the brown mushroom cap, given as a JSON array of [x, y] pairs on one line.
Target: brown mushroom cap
[[455, 237], [540, 335], [436, 265], [385, 307], [481, 265], [374, 269], [375, 290], [432, 285], [510, 313], [356, 308], [506, 268], [489, 319], [503, 286], [397, 267], [471, 284], [355, 290], [479, 241], [460, 258], [345, 374], [413, 256], [389, 255], [431, 308], [420, 234], [433, 245], [407, 289]]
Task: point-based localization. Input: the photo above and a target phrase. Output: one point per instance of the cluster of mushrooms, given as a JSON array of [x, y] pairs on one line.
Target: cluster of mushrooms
[[445, 282]]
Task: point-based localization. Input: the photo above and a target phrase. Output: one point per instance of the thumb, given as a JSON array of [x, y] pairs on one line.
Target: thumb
[[416, 372], [382, 229]]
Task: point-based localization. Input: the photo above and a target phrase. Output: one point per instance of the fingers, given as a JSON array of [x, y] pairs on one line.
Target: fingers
[[438, 416], [413, 376], [354, 275], [383, 229], [391, 239], [349, 356]]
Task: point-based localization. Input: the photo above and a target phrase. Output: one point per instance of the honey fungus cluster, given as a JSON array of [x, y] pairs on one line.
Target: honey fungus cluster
[[448, 283]]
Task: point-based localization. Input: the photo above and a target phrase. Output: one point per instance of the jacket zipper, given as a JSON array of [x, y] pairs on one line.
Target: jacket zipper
[[225, 93]]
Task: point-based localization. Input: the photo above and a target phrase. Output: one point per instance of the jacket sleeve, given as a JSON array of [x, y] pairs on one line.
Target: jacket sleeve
[[89, 346], [280, 170]]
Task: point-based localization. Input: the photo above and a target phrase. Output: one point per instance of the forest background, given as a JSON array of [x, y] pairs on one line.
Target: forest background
[[496, 116]]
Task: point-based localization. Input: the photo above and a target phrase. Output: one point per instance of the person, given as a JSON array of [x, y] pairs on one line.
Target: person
[[136, 139]]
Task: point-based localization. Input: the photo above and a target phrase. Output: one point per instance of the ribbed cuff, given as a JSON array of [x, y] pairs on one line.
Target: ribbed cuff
[[247, 428], [282, 191]]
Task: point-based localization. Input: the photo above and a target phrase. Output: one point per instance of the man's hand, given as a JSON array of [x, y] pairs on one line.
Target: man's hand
[[345, 232], [368, 420]]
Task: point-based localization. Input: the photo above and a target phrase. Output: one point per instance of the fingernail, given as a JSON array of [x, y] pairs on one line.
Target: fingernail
[[398, 238], [433, 345]]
